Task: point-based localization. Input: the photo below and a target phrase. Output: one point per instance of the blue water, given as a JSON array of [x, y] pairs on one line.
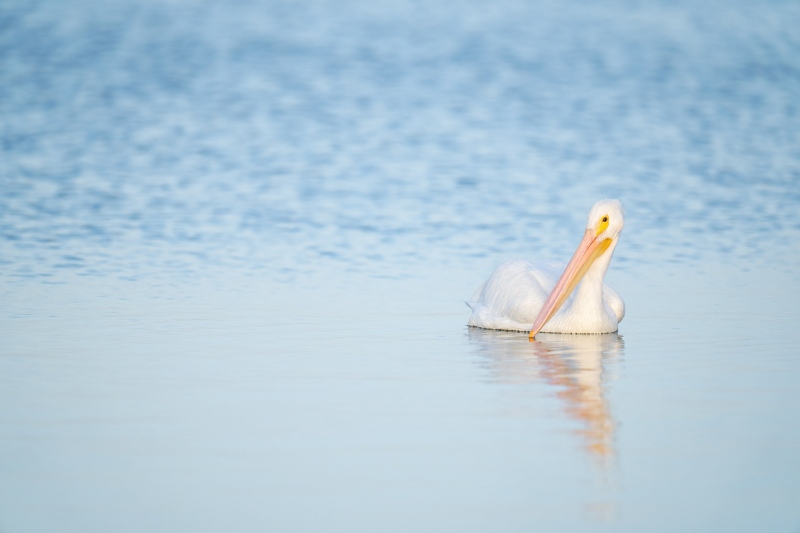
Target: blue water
[[236, 241]]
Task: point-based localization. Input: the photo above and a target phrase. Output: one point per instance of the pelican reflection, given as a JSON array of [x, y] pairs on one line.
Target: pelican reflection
[[575, 366]]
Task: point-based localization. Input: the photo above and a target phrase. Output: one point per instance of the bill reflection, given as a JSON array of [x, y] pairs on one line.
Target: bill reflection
[[574, 368]]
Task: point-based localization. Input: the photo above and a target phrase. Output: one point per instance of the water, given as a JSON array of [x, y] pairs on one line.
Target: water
[[235, 241]]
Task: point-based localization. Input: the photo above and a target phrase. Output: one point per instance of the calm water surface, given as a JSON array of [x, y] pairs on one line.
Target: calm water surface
[[236, 241]]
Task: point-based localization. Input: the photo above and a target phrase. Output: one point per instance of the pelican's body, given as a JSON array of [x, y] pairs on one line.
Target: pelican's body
[[515, 292], [526, 297]]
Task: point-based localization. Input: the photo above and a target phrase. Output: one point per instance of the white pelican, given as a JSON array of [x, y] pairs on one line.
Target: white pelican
[[520, 296]]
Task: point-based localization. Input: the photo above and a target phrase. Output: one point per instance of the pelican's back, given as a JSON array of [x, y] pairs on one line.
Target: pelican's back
[[512, 296]]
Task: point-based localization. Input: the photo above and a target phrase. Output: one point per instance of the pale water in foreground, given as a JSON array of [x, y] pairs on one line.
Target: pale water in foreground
[[236, 241]]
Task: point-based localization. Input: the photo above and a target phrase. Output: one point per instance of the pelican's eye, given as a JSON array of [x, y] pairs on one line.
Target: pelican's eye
[[603, 225]]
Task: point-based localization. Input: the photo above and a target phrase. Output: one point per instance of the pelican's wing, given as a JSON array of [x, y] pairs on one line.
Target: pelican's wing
[[614, 301], [512, 296]]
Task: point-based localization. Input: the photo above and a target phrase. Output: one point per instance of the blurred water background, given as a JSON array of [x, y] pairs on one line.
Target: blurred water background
[[236, 239]]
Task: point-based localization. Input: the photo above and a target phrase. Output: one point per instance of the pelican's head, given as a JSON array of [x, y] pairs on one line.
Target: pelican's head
[[606, 219], [602, 230]]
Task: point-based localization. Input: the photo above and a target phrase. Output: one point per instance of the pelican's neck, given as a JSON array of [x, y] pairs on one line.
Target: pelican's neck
[[589, 292]]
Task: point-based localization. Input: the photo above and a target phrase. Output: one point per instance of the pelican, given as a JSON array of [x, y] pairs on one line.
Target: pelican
[[521, 296]]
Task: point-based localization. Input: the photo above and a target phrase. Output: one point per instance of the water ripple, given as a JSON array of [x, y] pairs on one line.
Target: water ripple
[[270, 134]]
